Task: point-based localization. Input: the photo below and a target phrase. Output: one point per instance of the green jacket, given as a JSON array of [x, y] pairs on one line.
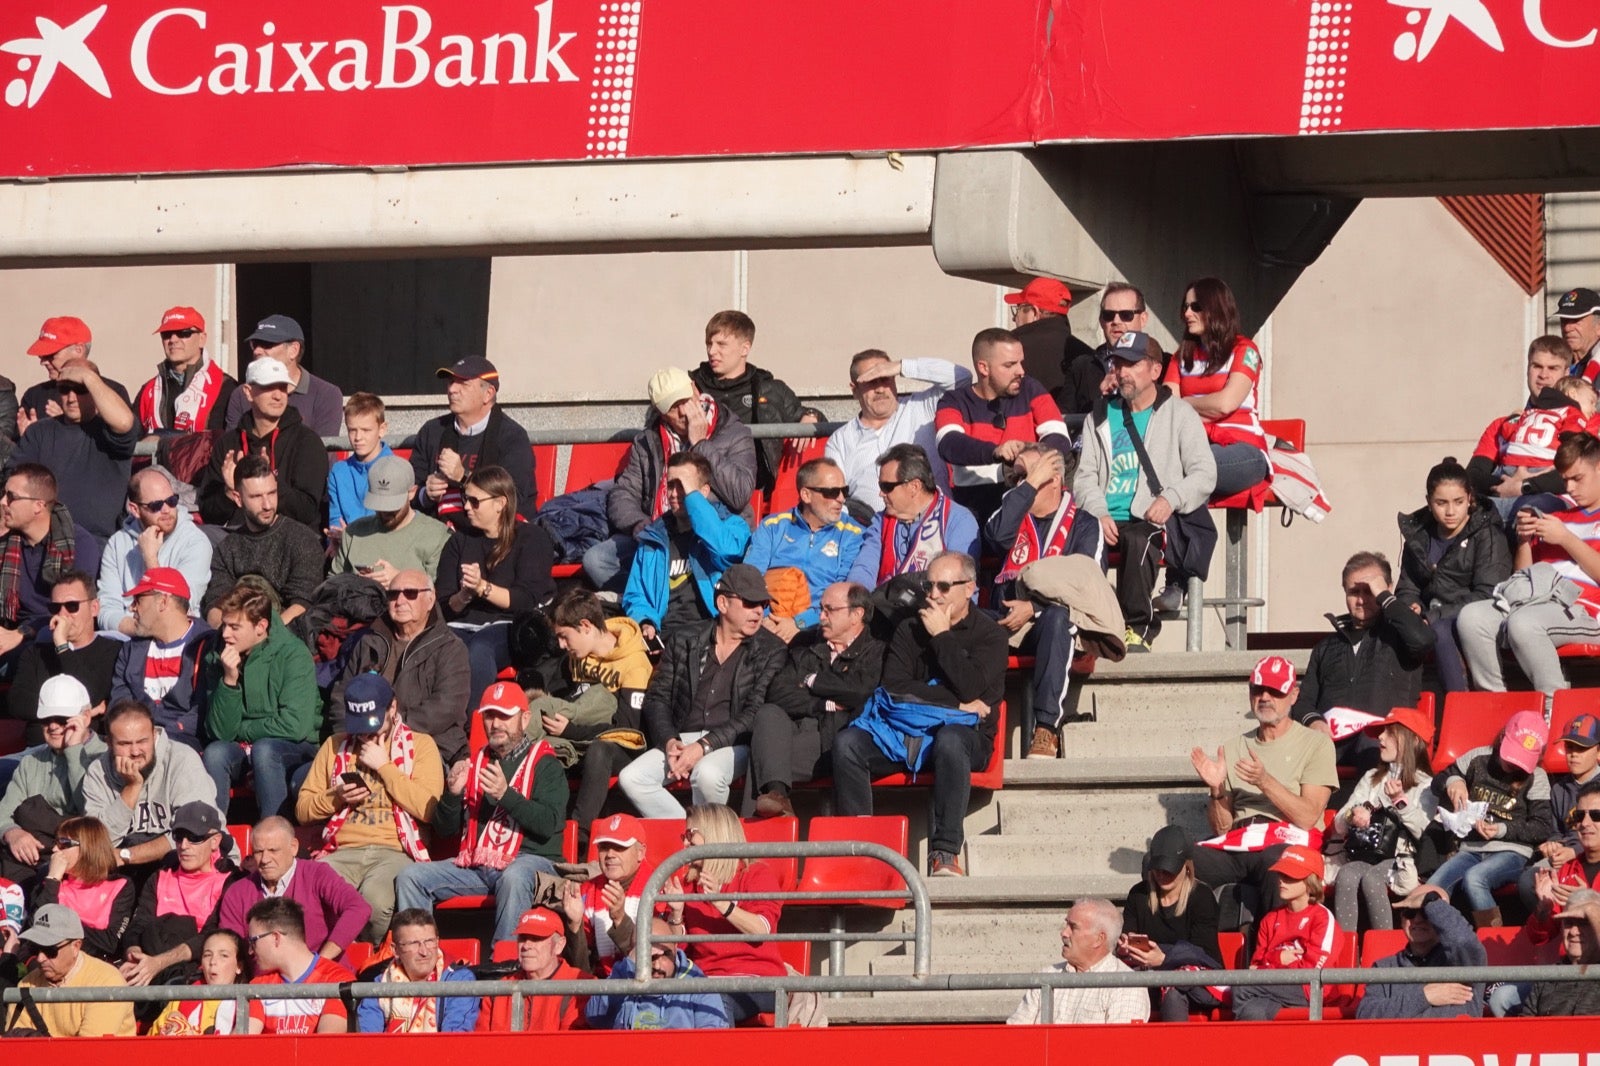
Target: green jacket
[[541, 816], [276, 696]]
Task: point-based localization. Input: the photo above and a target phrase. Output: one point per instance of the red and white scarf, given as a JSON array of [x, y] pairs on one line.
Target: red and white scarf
[[672, 444], [1030, 546], [1259, 836], [497, 842], [407, 1014], [927, 540], [193, 405], [403, 753]]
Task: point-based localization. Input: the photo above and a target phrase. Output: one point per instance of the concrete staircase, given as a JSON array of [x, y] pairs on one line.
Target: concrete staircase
[[1060, 830]]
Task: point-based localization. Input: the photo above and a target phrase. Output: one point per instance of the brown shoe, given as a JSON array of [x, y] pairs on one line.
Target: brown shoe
[[1045, 745], [774, 805]]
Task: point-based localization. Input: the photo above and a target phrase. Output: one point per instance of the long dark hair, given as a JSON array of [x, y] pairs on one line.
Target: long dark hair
[[495, 481], [1220, 314], [1413, 758]]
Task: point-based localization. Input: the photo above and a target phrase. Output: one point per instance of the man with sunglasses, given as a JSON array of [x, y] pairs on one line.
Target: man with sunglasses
[[917, 523], [48, 782], [1089, 374], [1436, 935], [182, 902], [157, 532], [1553, 891], [57, 936], [982, 427], [161, 665], [190, 392], [412, 648], [814, 538], [949, 655], [271, 429], [92, 440], [319, 402], [39, 543], [1580, 743], [1039, 319], [888, 419], [70, 648]]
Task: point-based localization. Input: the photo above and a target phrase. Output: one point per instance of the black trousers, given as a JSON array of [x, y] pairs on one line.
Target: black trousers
[[1141, 544], [1051, 642], [601, 762], [958, 750], [1218, 868], [784, 750]]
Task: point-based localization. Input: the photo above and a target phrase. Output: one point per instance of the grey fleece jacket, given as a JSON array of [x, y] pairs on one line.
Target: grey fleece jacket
[[1458, 946], [57, 776], [176, 776], [731, 451], [1176, 441]]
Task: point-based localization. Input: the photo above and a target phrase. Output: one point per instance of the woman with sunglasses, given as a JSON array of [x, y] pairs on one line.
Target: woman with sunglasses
[[714, 823], [491, 571], [82, 877], [224, 960]]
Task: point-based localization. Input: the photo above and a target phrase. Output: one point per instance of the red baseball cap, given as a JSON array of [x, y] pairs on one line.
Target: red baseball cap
[[540, 922], [59, 333], [1299, 862], [503, 697], [1411, 718], [181, 318], [623, 830], [161, 579], [1047, 294], [1275, 673]]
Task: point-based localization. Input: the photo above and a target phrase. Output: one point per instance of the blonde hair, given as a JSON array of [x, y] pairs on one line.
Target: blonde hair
[[1184, 882], [1572, 388], [1315, 888], [719, 825]]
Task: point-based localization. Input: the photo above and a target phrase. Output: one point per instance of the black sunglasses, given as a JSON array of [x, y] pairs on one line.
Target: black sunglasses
[[1194, 306], [63, 843], [182, 835], [830, 492], [887, 487], [999, 420], [184, 333], [158, 506], [394, 594], [1124, 316], [1576, 818], [66, 605], [53, 950], [1407, 914], [946, 586], [70, 388]]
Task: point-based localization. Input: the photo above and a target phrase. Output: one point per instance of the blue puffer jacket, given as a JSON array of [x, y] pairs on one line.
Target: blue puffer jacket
[[669, 1010], [720, 541]]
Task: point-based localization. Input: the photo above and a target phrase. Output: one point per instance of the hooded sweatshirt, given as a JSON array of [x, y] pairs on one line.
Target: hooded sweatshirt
[[176, 776], [624, 671], [276, 696], [186, 550], [294, 451]]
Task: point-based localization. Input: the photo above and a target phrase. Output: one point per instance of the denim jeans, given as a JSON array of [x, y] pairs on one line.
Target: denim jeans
[[425, 883], [1479, 873], [1239, 467], [272, 760], [607, 563], [488, 652]]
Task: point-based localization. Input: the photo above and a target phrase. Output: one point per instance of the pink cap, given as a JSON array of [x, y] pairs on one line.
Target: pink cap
[[1522, 743]]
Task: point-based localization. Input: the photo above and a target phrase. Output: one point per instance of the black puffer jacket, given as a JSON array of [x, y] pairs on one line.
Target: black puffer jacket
[[848, 680], [1383, 673], [669, 704], [754, 397], [1477, 560]]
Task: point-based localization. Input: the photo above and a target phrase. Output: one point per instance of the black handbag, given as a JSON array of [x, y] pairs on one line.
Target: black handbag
[[1377, 840], [39, 1028], [1191, 537]]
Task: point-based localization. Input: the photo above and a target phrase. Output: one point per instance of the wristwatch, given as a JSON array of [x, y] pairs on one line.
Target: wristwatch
[[124, 856]]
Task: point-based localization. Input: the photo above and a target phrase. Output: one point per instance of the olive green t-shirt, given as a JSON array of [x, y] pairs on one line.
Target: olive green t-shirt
[[1300, 757]]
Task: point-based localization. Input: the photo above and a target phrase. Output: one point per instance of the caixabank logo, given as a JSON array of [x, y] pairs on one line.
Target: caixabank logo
[[199, 52]]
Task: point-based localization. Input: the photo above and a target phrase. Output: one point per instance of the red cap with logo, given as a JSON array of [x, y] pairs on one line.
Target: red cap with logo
[[59, 333], [503, 697], [623, 830], [161, 579], [1275, 673], [1047, 294], [177, 318], [540, 922], [1299, 862]]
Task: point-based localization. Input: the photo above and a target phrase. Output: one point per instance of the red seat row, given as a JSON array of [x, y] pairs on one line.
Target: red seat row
[[1472, 719]]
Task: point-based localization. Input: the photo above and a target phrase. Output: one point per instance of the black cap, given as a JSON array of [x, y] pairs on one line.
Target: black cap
[[1169, 848], [1133, 346], [470, 368], [744, 581], [197, 818], [1578, 303], [277, 329]]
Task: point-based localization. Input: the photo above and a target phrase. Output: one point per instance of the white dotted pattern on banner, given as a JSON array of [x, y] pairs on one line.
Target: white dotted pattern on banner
[[1327, 65], [616, 52]]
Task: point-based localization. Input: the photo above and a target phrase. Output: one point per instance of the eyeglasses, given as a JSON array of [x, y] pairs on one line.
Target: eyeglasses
[[394, 594], [1577, 817], [830, 609], [157, 506], [475, 502], [827, 492], [70, 606], [252, 939], [11, 497], [183, 836], [946, 586], [690, 834], [67, 842], [184, 333], [1407, 914], [887, 487], [417, 945], [753, 605], [1120, 316], [53, 950], [1194, 306]]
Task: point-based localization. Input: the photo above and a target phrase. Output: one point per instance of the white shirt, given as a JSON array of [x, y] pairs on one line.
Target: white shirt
[[1087, 1006], [856, 447], [283, 882]]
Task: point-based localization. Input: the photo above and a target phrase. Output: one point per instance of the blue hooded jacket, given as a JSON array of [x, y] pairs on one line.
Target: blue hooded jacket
[[720, 540], [671, 1010]]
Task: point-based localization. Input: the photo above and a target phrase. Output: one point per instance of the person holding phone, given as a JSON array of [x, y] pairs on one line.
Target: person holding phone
[[1170, 921]]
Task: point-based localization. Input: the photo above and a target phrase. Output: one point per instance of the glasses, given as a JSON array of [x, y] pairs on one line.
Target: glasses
[[53, 950], [1577, 817], [753, 605], [251, 940], [1194, 305], [830, 609], [70, 388], [474, 502], [417, 945], [67, 842], [394, 594], [887, 487], [690, 834], [1119, 316], [70, 606], [1263, 690], [827, 492], [12, 497], [157, 506], [184, 333], [183, 836], [266, 346], [1407, 914], [946, 586]]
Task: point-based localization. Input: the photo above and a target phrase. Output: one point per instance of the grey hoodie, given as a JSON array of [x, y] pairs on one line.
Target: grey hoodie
[[1176, 441], [187, 550], [176, 776]]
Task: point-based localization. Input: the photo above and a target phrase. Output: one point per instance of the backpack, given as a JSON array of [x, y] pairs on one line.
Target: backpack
[[1295, 483]]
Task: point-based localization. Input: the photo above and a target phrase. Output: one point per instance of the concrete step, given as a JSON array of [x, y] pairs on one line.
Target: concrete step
[[1116, 816], [1045, 854], [896, 1008], [991, 935], [1078, 771], [1051, 889]]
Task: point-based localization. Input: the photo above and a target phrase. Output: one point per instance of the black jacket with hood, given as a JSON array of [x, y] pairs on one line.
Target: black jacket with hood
[[1476, 560], [294, 451], [754, 397]]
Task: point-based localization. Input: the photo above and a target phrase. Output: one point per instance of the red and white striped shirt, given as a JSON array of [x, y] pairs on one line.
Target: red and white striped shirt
[[162, 665], [1530, 437], [1242, 426], [1586, 526]]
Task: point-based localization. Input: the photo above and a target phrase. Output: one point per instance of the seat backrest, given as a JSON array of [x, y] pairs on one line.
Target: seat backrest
[[1380, 944], [776, 831], [544, 472], [569, 841], [461, 949], [1231, 945], [357, 955], [1569, 703], [786, 491], [796, 953], [504, 951], [993, 776], [1509, 946], [1290, 430], [241, 837], [592, 463], [845, 873], [1472, 720]]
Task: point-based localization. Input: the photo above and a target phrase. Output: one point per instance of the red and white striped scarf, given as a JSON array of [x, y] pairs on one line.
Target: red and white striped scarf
[[408, 1014], [403, 751], [1030, 546], [496, 844], [1259, 836], [672, 444]]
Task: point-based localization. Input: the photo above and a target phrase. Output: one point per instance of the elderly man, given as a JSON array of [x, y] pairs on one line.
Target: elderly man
[[332, 913], [474, 433], [190, 392], [1436, 935], [276, 929], [71, 648], [160, 666], [182, 904], [59, 339], [286, 553], [829, 675], [1089, 373], [1268, 787], [412, 648], [814, 539], [702, 699], [1578, 311], [417, 958], [681, 419], [57, 934], [678, 1010], [319, 402], [394, 537], [749, 393], [92, 441], [271, 429], [508, 805], [1145, 460], [48, 783], [374, 785], [140, 782], [601, 911], [41, 534], [1580, 943], [980, 428], [1087, 942], [887, 419], [158, 531], [1039, 319], [949, 656], [918, 521], [540, 943]]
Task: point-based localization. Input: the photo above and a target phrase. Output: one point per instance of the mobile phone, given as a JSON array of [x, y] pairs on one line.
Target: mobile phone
[[353, 779], [1534, 511], [1139, 941], [365, 569]]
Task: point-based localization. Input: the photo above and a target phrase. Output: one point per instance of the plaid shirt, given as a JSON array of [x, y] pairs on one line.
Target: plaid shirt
[[1087, 1006]]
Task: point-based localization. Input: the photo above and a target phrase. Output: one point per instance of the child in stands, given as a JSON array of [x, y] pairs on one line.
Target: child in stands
[[1300, 935]]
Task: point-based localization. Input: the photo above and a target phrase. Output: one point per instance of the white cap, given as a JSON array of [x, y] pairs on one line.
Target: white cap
[[62, 697], [267, 371]]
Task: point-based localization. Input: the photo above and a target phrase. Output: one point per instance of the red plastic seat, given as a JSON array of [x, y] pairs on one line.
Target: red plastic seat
[[357, 956], [844, 873], [591, 463], [13, 736], [1569, 704], [1292, 431], [241, 837], [1509, 946], [504, 951], [544, 472], [461, 949], [776, 831], [797, 954], [1380, 944], [1231, 947], [1472, 719], [992, 776], [1338, 1001]]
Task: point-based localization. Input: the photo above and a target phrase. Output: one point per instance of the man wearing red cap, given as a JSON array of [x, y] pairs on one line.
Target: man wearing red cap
[[190, 392], [160, 667], [1039, 319], [540, 942], [59, 339], [601, 911]]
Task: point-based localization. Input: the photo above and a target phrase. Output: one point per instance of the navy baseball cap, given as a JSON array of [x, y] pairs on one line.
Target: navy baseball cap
[[366, 701], [277, 329], [1133, 346], [470, 368], [1578, 303], [1584, 731]]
